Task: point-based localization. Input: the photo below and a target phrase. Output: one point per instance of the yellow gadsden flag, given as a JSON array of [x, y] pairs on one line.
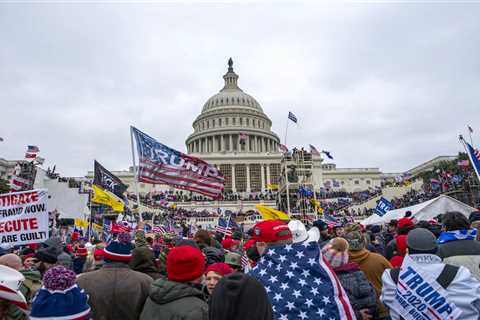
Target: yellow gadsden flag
[[107, 198], [272, 186], [81, 223], [270, 213]]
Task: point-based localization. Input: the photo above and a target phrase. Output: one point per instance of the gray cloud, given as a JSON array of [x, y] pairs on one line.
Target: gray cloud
[[384, 85]]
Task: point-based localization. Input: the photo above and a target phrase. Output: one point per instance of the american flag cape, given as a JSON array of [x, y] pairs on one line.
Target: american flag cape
[[301, 285], [160, 164]]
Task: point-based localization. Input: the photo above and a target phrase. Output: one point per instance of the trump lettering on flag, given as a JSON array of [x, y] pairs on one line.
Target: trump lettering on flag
[[159, 164]]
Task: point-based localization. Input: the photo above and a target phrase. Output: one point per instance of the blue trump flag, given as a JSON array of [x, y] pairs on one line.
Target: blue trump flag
[[474, 156], [383, 206]]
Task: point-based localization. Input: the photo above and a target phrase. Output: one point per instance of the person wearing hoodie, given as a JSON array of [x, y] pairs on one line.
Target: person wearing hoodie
[[180, 296], [360, 292], [397, 246], [143, 261], [423, 280], [458, 244], [239, 297], [372, 265]]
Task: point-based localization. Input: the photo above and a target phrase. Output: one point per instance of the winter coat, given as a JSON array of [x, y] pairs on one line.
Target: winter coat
[[115, 291], [143, 261], [360, 292], [463, 291], [373, 265], [31, 284], [462, 253], [170, 300]]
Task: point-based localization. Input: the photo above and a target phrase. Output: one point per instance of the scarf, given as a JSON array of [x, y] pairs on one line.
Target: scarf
[[448, 236]]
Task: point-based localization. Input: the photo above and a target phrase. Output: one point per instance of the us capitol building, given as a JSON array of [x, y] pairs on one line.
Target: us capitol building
[[234, 133]]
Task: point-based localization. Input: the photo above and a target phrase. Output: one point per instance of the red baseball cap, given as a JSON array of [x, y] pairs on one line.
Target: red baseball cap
[[271, 231]]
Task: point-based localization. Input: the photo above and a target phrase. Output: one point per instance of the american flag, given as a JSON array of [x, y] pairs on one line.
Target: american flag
[[314, 151], [283, 148], [159, 229], [301, 285], [31, 152], [474, 155], [224, 226], [292, 117], [245, 261], [159, 164], [18, 183]]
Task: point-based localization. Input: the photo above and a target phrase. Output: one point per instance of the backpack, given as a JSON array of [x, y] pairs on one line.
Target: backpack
[[444, 279]]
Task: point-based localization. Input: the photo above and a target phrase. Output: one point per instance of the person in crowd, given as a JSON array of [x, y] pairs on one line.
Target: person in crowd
[[338, 231], [180, 296], [46, 258], [213, 255], [65, 259], [239, 297], [397, 246], [458, 244], [474, 219], [231, 244], [13, 305], [214, 273], [32, 279], [376, 240], [266, 234], [115, 291], [360, 292], [448, 285], [203, 239], [324, 234], [372, 265], [143, 261], [60, 297], [81, 253], [391, 231], [234, 260]]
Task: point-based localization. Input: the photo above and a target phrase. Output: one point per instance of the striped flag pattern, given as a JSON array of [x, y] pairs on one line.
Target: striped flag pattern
[[292, 117], [160, 164], [224, 227]]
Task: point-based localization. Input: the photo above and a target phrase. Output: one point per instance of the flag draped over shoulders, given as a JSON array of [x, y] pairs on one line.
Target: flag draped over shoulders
[[301, 285]]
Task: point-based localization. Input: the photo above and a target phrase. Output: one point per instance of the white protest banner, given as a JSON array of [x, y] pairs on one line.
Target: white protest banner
[[23, 217]]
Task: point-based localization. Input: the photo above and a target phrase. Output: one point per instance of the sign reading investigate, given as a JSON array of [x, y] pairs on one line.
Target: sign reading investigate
[[23, 217]]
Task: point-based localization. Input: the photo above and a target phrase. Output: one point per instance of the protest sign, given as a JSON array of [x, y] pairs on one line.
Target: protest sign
[[383, 206], [23, 217]]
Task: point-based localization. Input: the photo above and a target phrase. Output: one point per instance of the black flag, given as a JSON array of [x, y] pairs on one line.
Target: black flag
[[108, 181]]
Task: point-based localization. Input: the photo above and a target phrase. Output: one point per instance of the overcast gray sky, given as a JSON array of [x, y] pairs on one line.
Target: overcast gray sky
[[380, 85]]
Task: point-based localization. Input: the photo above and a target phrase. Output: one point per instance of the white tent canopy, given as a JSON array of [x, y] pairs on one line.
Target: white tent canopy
[[423, 211]]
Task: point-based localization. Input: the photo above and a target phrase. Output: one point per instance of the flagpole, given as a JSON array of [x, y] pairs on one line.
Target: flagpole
[[462, 141], [135, 172], [286, 176], [470, 134]]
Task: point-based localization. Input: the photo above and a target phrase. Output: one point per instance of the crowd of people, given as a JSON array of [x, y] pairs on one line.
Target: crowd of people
[[426, 269]]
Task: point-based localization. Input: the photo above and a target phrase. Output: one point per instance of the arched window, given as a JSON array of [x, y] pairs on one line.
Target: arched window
[[220, 122]]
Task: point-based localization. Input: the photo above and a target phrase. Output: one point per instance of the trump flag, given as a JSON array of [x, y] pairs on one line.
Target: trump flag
[[160, 164]]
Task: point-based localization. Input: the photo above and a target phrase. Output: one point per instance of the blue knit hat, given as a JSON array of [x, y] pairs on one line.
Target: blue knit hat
[[119, 250], [60, 297]]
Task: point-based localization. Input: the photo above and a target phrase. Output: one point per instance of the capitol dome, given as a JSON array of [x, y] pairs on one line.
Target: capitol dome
[[232, 121]]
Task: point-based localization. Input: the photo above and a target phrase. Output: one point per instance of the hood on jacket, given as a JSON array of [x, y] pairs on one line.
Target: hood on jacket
[[143, 260], [164, 291], [359, 256], [213, 255], [54, 242]]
